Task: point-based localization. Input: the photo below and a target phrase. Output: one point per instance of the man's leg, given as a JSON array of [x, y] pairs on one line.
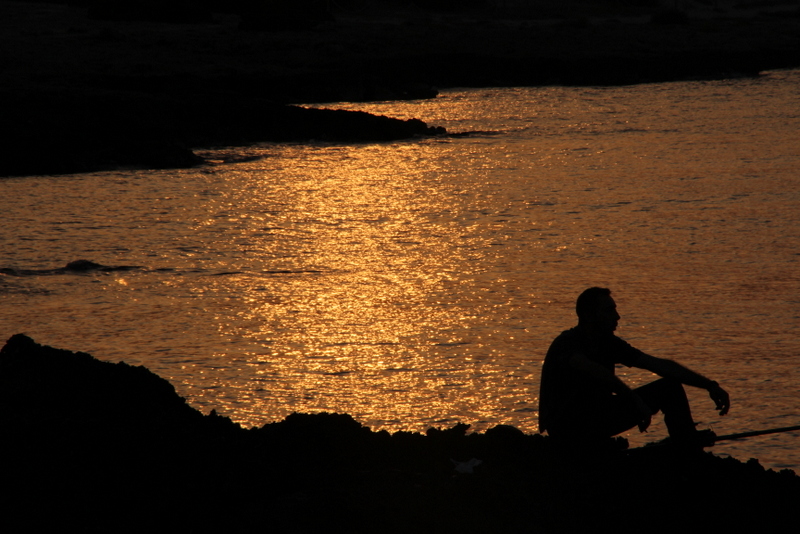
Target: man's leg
[[664, 395], [669, 397]]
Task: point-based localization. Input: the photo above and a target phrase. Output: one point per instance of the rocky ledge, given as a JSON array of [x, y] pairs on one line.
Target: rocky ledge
[[94, 446], [70, 131]]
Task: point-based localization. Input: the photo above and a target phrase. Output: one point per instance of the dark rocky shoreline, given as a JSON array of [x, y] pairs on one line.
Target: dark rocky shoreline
[[59, 132], [85, 91], [100, 447]]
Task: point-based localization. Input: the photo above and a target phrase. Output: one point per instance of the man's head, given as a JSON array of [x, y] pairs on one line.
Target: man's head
[[597, 310]]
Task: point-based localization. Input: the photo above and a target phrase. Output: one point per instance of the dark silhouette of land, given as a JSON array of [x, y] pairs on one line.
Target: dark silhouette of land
[[93, 446], [97, 85]]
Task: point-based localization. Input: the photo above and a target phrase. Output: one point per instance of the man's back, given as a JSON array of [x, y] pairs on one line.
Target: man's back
[[568, 398]]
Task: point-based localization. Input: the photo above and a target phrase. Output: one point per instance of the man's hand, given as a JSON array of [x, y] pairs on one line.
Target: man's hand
[[720, 397], [643, 410]]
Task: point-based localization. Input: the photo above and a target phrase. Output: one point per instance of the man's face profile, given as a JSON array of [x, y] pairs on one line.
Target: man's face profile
[[606, 316]]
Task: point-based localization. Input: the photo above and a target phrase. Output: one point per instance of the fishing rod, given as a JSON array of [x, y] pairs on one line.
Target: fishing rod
[[742, 435], [667, 444]]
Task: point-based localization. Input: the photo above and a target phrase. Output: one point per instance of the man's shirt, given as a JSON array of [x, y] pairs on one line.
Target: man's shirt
[[568, 397]]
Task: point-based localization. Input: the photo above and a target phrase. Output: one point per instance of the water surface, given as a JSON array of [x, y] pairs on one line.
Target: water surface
[[419, 283]]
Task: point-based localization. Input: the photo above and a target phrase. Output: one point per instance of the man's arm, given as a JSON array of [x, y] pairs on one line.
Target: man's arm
[[598, 373], [684, 375]]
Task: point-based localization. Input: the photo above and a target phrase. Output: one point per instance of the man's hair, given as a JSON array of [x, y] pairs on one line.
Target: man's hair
[[588, 300]]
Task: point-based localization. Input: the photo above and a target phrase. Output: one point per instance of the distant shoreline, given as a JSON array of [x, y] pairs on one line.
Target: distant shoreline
[[85, 94]]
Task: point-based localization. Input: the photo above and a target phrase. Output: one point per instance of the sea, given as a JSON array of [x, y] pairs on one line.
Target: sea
[[418, 283]]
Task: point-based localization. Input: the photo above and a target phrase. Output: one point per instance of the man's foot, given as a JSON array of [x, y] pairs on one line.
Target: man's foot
[[704, 438], [694, 441]]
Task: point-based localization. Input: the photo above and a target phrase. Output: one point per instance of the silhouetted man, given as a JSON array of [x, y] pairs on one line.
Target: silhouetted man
[[581, 399]]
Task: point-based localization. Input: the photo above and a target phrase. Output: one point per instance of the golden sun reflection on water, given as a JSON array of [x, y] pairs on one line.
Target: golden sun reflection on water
[[350, 305]]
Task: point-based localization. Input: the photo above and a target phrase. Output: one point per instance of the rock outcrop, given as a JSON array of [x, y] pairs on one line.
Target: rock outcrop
[[57, 132], [108, 447]]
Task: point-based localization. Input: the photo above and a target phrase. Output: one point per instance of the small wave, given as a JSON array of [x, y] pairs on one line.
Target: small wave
[[474, 133], [337, 373], [77, 266], [299, 271], [7, 288]]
